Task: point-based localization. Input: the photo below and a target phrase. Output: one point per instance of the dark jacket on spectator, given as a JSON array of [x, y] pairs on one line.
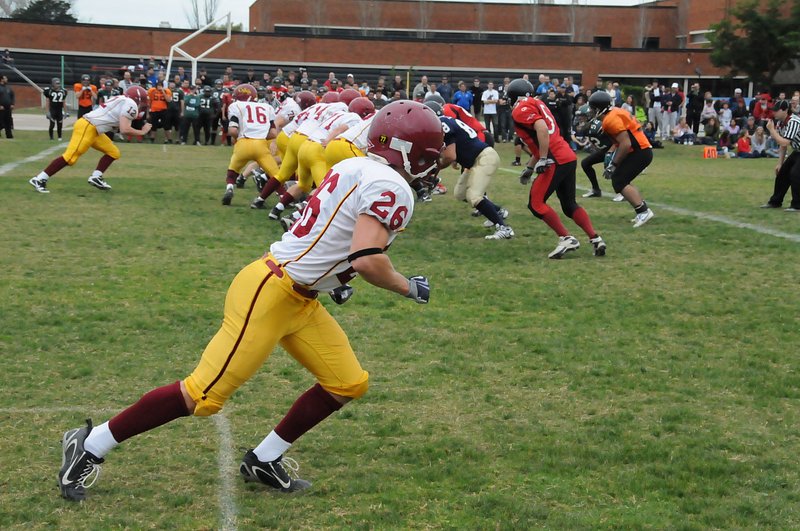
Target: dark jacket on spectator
[[7, 97]]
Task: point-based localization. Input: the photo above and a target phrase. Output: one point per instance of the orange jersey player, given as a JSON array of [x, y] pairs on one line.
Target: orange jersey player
[[86, 94]]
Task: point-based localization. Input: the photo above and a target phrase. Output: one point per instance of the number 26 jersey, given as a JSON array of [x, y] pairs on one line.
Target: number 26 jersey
[[314, 252], [254, 119]]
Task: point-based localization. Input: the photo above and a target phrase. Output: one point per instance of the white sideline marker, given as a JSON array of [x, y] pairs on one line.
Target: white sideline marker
[[5, 168], [225, 455], [709, 217]]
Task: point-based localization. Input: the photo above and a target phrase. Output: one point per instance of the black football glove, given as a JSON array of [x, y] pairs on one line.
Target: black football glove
[[525, 176], [419, 289], [342, 294], [608, 173], [542, 164]]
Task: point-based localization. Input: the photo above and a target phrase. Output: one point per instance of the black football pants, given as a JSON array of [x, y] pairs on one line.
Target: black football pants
[[587, 164], [788, 177]]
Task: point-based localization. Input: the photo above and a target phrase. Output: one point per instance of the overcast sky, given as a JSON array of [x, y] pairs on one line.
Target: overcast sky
[[150, 13]]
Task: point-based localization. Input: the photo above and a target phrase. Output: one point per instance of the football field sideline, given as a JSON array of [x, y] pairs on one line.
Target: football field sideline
[[225, 455], [705, 216], [11, 166]]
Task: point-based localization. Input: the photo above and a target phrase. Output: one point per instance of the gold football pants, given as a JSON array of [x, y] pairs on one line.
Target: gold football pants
[[340, 149], [257, 149], [263, 309], [84, 136]]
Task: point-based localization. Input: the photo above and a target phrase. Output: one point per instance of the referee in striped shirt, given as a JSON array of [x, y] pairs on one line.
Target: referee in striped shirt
[[787, 172]]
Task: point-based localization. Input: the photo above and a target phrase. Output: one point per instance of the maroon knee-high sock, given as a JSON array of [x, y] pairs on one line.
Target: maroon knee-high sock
[[155, 408], [230, 177], [313, 406], [54, 167], [105, 162], [287, 198], [281, 189], [581, 218], [554, 222], [270, 187]]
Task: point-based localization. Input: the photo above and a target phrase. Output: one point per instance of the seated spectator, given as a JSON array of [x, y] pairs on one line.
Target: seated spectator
[[724, 144], [725, 115], [738, 107], [650, 133], [682, 133], [743, 148], [711, 129], [749, 126], [758, 143], [709, 111], [7, 59], [734, 130]]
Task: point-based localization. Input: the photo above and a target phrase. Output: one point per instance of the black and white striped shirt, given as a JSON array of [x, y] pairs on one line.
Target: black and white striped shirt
[[791, 131]]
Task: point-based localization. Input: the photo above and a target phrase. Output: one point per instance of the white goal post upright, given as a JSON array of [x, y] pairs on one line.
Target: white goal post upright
[[176, 48]]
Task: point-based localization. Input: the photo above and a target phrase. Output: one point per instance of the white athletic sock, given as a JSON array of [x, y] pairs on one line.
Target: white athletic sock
[[100, 441], [280, 206], [42, 176], [97, 173], [271, 448], [229, 187]]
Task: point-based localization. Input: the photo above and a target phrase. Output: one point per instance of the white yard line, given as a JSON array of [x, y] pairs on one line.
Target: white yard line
[[6, 168], [709, 217], [225, 454], [225, 458]]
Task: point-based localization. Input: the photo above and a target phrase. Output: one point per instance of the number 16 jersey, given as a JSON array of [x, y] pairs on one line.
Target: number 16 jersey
[[314, 252], [254, 119]]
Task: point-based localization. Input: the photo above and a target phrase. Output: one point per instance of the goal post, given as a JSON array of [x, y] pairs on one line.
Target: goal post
[[176, 48]]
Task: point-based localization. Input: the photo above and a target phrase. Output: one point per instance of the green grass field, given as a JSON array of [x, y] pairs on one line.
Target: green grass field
[[654, 388]]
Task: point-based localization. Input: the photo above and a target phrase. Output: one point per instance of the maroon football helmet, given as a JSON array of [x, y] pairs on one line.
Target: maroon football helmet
[[330, 97], [348, 95], [305, 99], [138, 94], [361, 106], [245, 92], [406, 134]]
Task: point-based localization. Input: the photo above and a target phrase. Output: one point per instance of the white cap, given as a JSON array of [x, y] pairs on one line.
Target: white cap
[[351, 75], [675, 85], [738, 91]]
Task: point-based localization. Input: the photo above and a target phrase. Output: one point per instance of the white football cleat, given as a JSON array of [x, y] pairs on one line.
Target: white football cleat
[[565, 245], [599, 246], [618, 198], [503, 214], [503, 232], [643, 218]]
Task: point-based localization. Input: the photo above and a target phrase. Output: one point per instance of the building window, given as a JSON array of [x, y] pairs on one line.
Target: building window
[[699, 37], [651, 43], [603, 42]]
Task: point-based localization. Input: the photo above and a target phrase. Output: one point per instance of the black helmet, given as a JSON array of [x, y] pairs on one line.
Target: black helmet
[[435, 97], [207, 90], [519, 88], [434, 105], [600, 103]]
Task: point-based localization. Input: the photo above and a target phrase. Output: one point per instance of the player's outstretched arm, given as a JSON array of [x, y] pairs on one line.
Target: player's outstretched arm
[[126, 127], [366, 251]]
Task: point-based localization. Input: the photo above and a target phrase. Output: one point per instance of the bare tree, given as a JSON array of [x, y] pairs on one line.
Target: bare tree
[[423, 18], [200, 12], [9, 6], [530, 20], [370, 16], [643, 27]]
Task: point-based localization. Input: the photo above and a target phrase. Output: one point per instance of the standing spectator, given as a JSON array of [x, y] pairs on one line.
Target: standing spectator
[[738, 107], [490, 97], [654, 103], [158, 97], [86, 94], [105, 93], [56, 105], [674, 101], [7, 59], [570, 84], [477, 92], [127, 81], [182, 73], [787, 172], [397, 84], [761, 110], [431, 91], [709, 110], [420, 89], [7, 102], [463, 97], [694, 106], [445, 89], [564, 113], [250, 77], [152, 78], [630, 106], [544, 85], [504, 111]]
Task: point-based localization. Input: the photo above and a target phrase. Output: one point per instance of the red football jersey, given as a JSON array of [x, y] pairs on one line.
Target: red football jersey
[[458, 113], [227, 99], [526, 113]]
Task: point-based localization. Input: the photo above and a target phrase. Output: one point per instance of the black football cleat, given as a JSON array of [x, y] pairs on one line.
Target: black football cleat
[[240, 180], [40, 185], [273, 473], [276, 212], [226, 199], [260, 179], [77, 465], [258, 203], [99, 183]]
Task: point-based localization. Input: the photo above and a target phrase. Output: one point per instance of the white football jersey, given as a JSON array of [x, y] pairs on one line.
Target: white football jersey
[[254, 119], [314, 252], [358, 134], [298, 120], [333, 121], [106, 116], [323, 111], [289, 109]]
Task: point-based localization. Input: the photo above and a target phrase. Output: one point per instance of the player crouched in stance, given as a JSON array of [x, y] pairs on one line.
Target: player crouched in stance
[[251, 123], [555, 168], [632, 153], [351, 218], [116, 114], [479, 163]]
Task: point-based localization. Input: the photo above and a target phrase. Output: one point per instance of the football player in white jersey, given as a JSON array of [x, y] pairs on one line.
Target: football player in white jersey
[[115, 114], [348, 144], [252, 124], [350, 220]]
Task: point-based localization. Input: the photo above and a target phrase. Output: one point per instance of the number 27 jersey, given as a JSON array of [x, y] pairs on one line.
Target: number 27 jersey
[[314, 252]]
